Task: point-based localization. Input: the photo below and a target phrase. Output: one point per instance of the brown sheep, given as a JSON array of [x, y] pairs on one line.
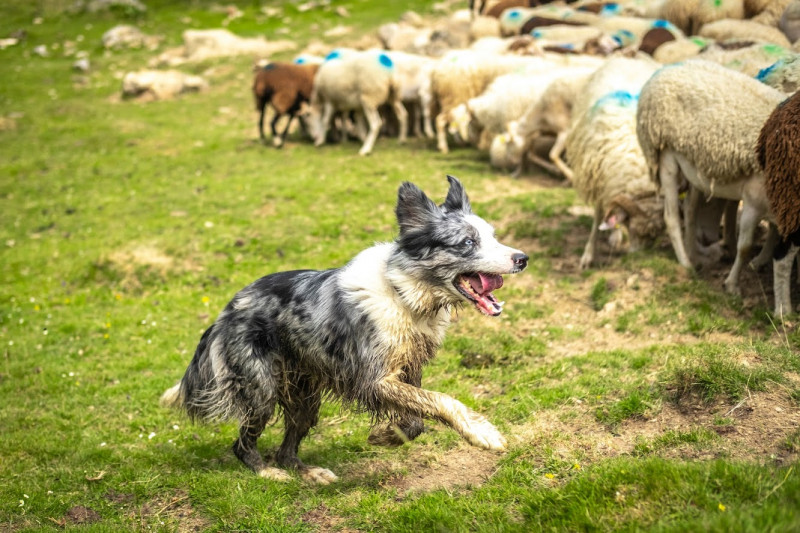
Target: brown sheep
[[287, 86], [778, 152]]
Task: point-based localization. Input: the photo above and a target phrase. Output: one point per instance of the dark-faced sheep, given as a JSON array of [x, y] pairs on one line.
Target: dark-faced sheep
[[778, 152], [286, 86]]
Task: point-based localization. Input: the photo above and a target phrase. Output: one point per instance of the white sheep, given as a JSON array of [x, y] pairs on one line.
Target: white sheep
[[701, 120], [608, 167], [464, 74], [355, 81], [778, 152], [510, 96], [413, 74], [551, 115], [749, 60]]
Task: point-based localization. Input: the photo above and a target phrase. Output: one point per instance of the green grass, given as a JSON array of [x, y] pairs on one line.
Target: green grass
[[126, 227]]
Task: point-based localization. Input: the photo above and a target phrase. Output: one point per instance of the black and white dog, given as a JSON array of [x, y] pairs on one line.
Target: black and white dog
[[361, 333]]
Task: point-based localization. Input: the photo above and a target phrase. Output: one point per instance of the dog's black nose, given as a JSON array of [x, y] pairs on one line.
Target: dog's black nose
[[520, 260]]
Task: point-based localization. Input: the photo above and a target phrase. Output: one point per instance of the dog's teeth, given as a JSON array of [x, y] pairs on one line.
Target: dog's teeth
[[501, 304]]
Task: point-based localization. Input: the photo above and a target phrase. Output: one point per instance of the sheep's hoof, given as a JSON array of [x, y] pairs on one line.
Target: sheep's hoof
[[277, 142]]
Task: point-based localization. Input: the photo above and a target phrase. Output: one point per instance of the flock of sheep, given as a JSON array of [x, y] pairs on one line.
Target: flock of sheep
[[635, 103]]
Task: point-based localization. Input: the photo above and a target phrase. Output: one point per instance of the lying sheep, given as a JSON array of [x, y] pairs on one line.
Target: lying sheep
[[608, 167], [285, 86], [748, 60], [778, 152], [691, 123], [360, 82], [160, 84]]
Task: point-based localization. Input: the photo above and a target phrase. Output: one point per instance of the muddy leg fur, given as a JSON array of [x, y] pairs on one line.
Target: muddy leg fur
[[246, 450], [404, 428], [407, 399], [301, 413]]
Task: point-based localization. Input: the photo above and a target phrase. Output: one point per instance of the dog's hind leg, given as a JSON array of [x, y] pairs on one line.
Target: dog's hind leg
[[301, 413], [403, 398], [246, 450], [405, 428]]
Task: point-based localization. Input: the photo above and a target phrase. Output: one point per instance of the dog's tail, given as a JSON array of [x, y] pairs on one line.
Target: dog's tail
[[172, 397]]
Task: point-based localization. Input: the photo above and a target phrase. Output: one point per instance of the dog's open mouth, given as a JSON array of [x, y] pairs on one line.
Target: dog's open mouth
[[478, 287]]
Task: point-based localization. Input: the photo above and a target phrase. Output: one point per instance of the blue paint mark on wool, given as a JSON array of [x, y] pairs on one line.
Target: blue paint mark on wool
[[537, 34], [270, 66], [336, 54], [300, 61], [765, 72], [618, 98], [609, 10], [385, 60], [513, 14], [661, 23]]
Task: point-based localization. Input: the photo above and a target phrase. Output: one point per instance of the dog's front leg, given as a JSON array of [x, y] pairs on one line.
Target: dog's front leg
[[406, 399], [404, 427]]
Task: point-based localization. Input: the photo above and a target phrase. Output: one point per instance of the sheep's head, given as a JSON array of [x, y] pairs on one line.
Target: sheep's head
[[634, 222], [505, 152], [312, 120], [460, 118]]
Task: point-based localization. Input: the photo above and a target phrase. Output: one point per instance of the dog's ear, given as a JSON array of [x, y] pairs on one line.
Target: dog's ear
[[414, 209], [456, 196]]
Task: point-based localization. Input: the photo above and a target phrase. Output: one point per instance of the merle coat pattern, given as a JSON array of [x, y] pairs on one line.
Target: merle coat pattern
[[361, 333]]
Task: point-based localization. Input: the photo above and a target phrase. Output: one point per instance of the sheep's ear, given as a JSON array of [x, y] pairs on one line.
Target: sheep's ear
[[456, 197], [414, 209]]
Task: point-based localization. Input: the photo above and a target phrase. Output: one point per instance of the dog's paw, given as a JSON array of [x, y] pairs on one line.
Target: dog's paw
[[275, 474], [318, 475], [483, 434]]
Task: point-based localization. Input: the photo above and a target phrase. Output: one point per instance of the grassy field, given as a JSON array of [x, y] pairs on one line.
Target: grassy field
[[635, 396]]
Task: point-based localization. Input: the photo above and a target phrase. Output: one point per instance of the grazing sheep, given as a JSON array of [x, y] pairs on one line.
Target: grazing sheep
[[691, 123], [609, 171], [286, 86], [743, 30], [360, 82], [550, 115], [464, 74], [778, 152], [510, 96], [783, 75]]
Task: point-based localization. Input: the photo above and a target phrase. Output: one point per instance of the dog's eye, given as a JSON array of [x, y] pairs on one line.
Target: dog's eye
[[469, 242]]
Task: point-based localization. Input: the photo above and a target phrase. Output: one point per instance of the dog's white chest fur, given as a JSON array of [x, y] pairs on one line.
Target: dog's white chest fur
[[403, 328]]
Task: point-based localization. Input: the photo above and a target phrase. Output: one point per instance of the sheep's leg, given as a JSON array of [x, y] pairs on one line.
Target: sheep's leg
[[588, 251], [361, 126], [785, 253], [668, 173], [729, 221], [285, 131], [277, 140], [325, 122], [441, 132], [690, 224], [769, 246], [261, 123], [527, 141], [374, 120], [555, 155], [427, 125], [545, 164], [747, 226], [402, 117]]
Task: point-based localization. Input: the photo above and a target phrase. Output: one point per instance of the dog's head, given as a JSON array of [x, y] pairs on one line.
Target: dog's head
[[452, 250]]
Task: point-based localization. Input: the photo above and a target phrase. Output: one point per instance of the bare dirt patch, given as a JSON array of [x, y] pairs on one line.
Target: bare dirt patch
[[322, 520], [173, 510]]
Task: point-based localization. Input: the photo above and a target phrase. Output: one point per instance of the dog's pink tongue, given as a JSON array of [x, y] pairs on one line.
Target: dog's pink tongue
[[485, 283]]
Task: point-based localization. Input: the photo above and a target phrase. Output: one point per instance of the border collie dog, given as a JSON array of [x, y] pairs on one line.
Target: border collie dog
[[361, 333]]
